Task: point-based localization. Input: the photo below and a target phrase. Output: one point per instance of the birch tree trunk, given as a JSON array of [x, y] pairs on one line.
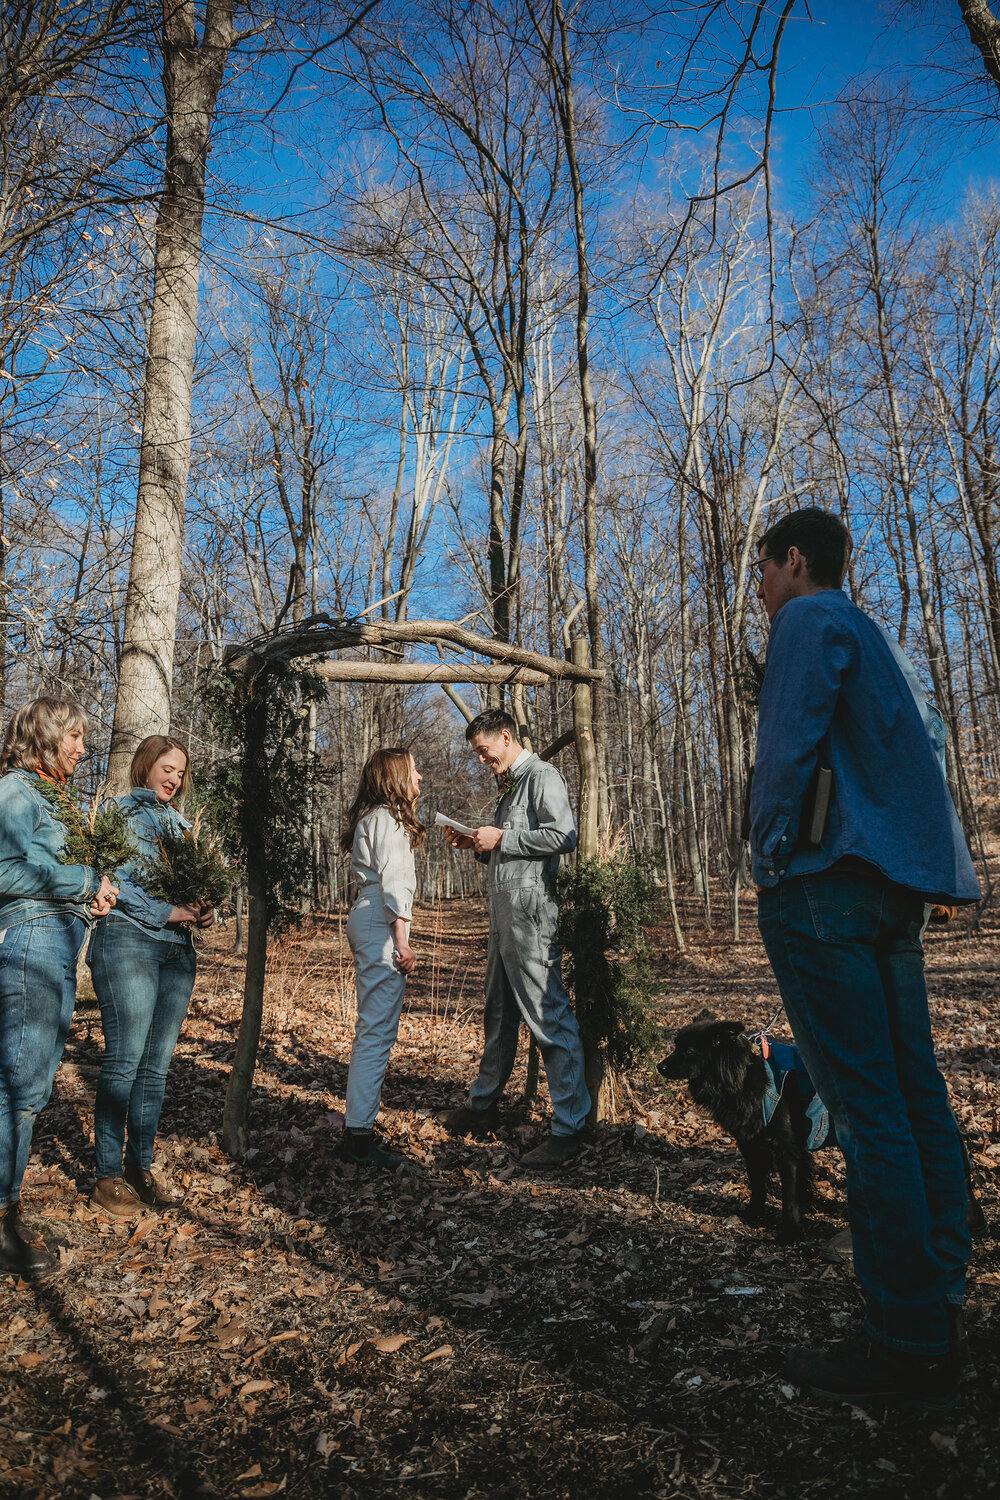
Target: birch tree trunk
[[192, 77]]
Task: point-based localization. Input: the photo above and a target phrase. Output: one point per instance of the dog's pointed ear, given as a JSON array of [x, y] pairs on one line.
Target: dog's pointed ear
[[704, 1016], [733, 1028]]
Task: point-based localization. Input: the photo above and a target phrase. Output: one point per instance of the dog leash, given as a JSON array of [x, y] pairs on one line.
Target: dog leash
[[758, 1039]]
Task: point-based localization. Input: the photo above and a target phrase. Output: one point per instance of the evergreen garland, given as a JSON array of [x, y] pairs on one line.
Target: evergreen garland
[[189, 866], [603, 909], [260, 790], [97, 831]]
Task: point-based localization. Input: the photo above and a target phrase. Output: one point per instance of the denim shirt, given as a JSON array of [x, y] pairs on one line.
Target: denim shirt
[[148, 817], [538, 827], [833, 690], [32, 881]]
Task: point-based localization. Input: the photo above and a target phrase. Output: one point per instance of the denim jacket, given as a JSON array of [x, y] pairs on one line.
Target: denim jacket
[[148, 817], [32, 881], [833, 689], [538, 828]]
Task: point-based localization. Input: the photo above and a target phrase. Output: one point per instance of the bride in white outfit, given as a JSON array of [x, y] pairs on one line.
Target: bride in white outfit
[[381, 834]]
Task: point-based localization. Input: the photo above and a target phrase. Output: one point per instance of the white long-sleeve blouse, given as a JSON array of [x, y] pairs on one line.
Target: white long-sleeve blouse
[[381, 855]]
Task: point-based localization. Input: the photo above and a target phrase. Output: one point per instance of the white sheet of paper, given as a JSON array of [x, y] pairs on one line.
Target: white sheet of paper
[[454, 823]]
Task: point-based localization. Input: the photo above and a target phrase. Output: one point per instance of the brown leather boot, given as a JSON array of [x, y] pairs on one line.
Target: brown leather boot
[[475, 1122], [553, 1153], [112, 1195], [22, 1252], [151, 1190]]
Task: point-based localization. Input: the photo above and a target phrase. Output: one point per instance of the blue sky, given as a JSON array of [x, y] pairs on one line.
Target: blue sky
[[849, 41]]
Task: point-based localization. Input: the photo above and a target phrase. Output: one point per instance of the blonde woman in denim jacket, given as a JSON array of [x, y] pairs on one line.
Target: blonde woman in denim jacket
[[143, 964], [46, 908]]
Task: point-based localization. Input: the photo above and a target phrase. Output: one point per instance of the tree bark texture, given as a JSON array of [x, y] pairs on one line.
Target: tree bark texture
[[561, 69], [586, 751], [255, 816], [419, 671], [192, 77], [324, 635], [984, 29]]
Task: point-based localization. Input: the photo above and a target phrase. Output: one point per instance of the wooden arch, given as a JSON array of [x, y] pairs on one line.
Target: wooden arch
[[306, 647]]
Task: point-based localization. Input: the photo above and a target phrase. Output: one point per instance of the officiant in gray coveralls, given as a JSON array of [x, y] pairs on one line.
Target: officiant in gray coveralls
[[533, 828]]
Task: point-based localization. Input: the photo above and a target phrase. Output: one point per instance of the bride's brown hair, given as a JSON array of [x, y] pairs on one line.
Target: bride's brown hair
[[386, 781]]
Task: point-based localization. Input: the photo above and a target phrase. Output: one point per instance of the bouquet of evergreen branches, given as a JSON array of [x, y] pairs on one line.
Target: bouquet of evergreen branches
[[97, 831], [189, 866]]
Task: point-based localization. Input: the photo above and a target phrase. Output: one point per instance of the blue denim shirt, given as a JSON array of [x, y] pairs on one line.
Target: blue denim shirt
[[834, 691], [32, 880], [148, 817]]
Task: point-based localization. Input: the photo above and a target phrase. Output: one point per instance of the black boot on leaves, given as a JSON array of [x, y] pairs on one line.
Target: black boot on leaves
[[361, 1146], [22, 1252], [862, 1372], [958, 1339]]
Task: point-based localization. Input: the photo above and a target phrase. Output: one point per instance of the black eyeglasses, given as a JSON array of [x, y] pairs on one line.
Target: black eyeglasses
[[759, 565]]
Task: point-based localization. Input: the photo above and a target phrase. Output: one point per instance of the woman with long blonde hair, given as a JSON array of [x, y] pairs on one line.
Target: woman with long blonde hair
[[46, 907], [381, 834]]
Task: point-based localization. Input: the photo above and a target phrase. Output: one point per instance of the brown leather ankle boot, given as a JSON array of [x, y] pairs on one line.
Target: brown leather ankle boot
[[112, 1195], [151, 1190]]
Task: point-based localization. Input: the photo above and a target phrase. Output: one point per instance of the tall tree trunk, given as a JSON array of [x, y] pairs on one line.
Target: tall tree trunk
[[560, 65], [256, 818], [192, 77], [984, 33]]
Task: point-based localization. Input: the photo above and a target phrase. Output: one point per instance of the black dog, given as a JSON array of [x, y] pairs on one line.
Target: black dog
[[728, 1078]]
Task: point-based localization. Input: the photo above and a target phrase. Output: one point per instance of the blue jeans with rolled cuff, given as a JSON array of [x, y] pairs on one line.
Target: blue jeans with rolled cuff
[[143, 985], [846, 952], [37, 996]]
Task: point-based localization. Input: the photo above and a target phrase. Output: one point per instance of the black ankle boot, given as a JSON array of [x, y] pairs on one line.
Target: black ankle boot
[[22, 1252], [861, 1372], [361, 1146], [958, 1339]]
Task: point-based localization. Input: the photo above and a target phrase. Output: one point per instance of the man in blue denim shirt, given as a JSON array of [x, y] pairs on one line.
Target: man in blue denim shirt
[[841, 920]]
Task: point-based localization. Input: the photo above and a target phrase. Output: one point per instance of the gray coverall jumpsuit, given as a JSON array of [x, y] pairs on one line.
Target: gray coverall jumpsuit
[[524, 963]]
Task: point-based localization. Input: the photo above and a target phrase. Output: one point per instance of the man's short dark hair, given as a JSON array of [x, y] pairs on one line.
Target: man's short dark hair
[[491, 722], [821, 537]]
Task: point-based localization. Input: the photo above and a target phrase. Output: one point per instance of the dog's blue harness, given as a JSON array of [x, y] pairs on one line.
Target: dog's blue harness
[[781, 1060]]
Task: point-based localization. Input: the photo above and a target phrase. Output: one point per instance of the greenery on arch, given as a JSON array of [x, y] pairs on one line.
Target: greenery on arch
[[258, 792], [604, 910]]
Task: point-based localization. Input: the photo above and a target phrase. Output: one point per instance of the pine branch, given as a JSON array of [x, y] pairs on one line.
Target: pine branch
[[189, 866], [97, 832]]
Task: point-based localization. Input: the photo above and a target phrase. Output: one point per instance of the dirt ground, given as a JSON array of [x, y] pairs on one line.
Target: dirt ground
[[306, 1328]]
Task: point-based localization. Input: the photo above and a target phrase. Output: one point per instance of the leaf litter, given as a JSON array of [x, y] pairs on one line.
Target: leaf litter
[[305, 1327]]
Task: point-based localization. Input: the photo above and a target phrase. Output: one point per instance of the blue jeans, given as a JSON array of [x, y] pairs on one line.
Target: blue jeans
[[846, 952], [143, 985], [37, 995]]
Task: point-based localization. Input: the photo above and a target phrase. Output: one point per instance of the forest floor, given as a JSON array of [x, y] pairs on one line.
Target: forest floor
[[306, 1328]]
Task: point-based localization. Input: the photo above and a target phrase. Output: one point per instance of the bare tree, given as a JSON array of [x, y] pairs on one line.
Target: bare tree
[[471, 125], [983, 27], [65, 146], [193, 71]]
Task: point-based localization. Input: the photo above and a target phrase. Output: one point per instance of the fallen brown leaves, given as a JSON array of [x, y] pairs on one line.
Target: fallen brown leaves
[[309, 1328]]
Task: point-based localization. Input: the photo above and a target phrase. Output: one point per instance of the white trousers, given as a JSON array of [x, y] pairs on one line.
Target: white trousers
[[381, 988]]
